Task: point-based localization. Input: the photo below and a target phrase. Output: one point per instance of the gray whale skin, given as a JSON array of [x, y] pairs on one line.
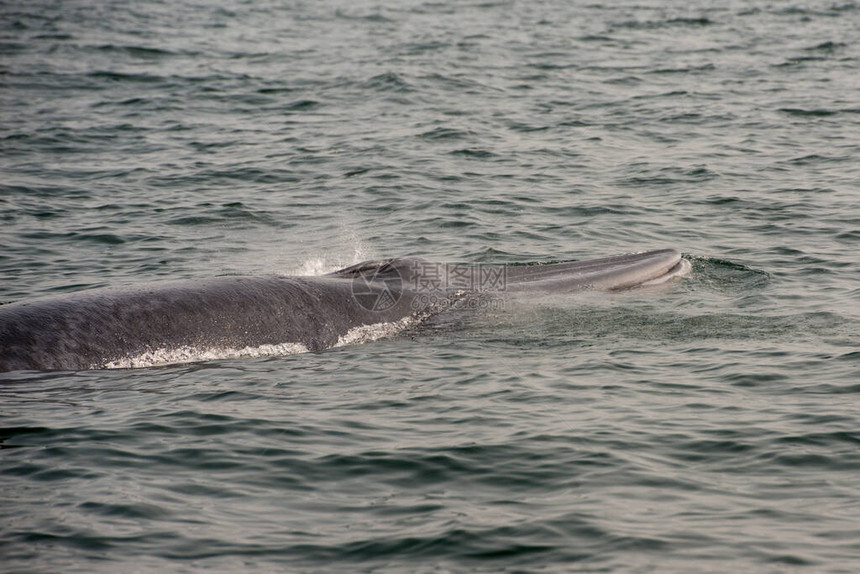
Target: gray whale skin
[[106, 327]]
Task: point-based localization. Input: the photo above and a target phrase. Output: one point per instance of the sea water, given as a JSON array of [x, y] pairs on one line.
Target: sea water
[[708, 425]]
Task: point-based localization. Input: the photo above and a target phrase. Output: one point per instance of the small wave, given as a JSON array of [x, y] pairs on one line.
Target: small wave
[[374, 17], [727, 276], [388, 82], [665, 23], [142, 78], [444, 133], [473, 153], [829, 46], [816, 112], [140, 52]]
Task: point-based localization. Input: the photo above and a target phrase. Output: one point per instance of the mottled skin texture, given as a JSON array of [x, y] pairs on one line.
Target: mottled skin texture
[[90, 329]]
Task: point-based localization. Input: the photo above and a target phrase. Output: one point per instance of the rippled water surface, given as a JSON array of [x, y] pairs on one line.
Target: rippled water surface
[[712, 425]]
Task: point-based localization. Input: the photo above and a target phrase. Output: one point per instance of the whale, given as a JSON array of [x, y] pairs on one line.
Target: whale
[[233, 316]]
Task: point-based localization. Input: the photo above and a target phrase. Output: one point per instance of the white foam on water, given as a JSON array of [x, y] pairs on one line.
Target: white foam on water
[[160, 357], [367, 333]]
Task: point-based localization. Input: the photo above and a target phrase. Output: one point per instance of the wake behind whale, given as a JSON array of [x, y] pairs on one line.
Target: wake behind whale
[[226, 317]]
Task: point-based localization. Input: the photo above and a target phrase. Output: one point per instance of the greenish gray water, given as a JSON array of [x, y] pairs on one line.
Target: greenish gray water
[[710, 426]]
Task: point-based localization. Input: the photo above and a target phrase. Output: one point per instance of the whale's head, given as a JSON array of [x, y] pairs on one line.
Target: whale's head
[[606, 274]]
